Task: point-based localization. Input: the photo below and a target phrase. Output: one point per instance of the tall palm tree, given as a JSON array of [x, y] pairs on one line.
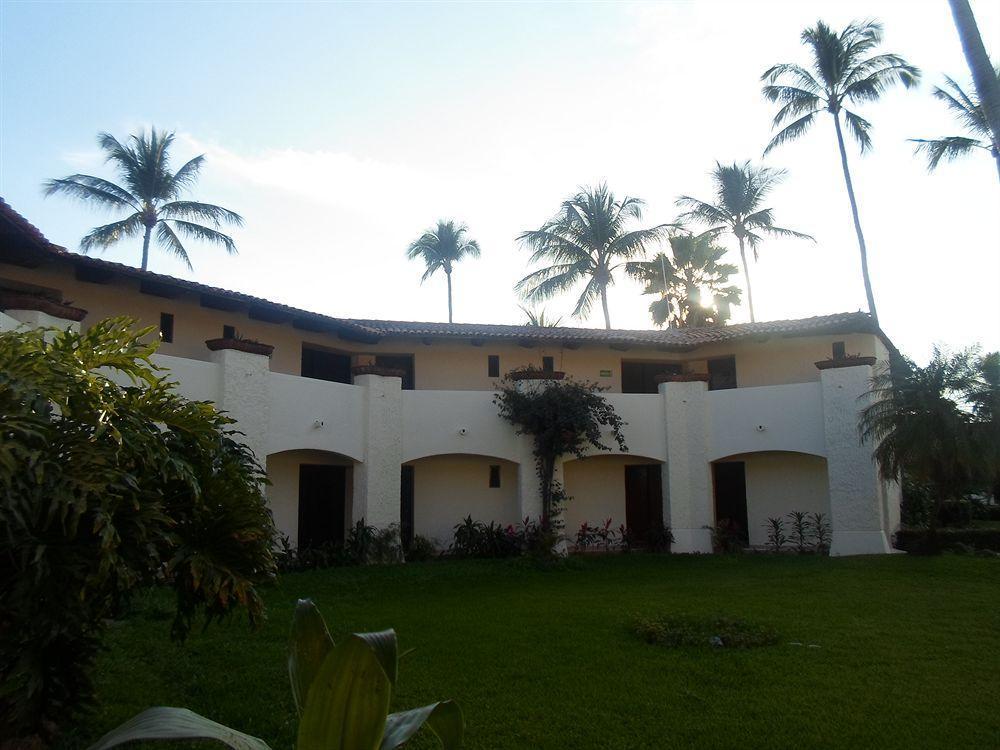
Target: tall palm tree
[[442, 247], [969, 111], [538, 318], [983, 73], [687, 281], [151, 194], [740, 191], [843, 72], [587, 241]]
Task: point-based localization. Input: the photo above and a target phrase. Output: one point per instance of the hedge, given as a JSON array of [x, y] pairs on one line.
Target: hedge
[[918, 541]]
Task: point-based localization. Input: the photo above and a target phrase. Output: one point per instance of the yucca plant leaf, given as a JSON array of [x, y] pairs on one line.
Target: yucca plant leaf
[[310, 644], [443, 718], [348, 701], [384, 644], [166, 723]]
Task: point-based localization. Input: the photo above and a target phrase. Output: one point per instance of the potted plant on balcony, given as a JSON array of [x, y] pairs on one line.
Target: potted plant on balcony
[[240, 344], [682, 377], [848, 360], [14, 300], [373, 369]]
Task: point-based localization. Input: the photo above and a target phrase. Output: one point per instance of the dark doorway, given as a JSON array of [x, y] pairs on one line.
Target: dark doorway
[[643, 501], [640, 377], [324, 365], [406, 506], [730, 481], [402, 362], [322, 499]]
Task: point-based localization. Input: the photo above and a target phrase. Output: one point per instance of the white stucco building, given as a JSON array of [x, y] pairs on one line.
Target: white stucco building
[[766, 432]]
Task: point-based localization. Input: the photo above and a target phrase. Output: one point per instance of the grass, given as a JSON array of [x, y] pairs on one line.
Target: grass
[[907, 652]]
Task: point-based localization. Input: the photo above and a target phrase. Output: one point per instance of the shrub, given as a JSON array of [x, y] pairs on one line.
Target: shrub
[[776, 539], [681, 630], [926, 542], [819, 533], [421, 549], [341, 692], [955, 513], [726, 537], [106, 488]]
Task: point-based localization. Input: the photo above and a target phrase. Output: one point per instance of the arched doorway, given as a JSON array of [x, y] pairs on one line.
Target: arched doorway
[[310, 495]]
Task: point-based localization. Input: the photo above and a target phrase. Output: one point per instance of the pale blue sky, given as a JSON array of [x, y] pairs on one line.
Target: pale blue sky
[[341, 130]]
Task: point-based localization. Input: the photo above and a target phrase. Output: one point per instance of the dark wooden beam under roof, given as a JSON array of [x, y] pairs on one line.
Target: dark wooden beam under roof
[[269, 314], [477, 342], [527, 343], [426, 341], [93, 274], [219, 302], [315, 324], [620, 347], [570, 344], [160, 289]]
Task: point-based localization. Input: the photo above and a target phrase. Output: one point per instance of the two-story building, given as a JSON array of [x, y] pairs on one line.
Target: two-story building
[[764, 431]]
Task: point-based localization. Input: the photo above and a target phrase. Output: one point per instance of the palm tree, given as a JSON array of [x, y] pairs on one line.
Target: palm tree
[[150, 193], [919, 424], [843, 72], [587, 241], [983, 73], [685, 280], [442, 247], [537, 318], [969, 111], [740, 190]]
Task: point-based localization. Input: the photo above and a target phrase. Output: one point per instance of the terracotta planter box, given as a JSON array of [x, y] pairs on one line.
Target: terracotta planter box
[[385, 372], [240, 345], [833, 364], [684, 377], [536, 375], [20, 301]]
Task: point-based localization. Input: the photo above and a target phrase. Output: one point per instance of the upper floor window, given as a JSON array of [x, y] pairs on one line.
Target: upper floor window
[[640, 377], [228, 332], [166, 328], [495, 476], [493, 365], [839, 350], [402, 362], [325, 365], [721, 373], [548, 364]]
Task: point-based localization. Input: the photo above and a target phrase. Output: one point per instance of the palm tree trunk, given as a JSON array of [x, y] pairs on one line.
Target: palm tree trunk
[[983, 74], [746, 275], [604, 305], [145, 246], [857, 221], [448, 274]]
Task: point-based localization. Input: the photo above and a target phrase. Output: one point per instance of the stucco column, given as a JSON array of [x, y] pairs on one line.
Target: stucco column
[[857, 496], [376, 479], [687, 481], [243, 393]]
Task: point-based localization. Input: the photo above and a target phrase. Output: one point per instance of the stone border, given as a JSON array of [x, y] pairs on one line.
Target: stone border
[[240, 345], [22, 301], [833, 364]]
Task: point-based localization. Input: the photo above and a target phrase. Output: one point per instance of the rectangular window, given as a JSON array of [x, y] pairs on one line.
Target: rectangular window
[[325, 365], [494, 476], [493, 365], [228, 332], [640, 377], [839, 350], [166, 328], [548, 364], [721, 373]]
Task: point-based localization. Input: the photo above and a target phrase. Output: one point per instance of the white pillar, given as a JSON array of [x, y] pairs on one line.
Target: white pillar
[[687, 481], [376, 478], [857, 517], [243, 393]]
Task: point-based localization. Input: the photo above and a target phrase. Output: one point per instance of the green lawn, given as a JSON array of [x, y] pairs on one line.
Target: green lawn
[[908, 657]]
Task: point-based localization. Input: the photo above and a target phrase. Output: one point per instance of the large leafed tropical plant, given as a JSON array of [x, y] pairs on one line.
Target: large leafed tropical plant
[[441, 247], [342, 694], [586, 242], [692, 283], [969, 111], [738, 208], [844, 70], [151, 194]]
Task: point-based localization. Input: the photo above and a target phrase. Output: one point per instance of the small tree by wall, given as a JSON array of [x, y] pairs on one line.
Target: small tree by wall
[[563, 417]]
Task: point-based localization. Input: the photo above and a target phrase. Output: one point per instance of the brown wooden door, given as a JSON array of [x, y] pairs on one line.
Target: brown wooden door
[[730, 480], [643, 501]]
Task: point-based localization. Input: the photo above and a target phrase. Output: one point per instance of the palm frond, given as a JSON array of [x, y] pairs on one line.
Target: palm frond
[[169, 239], [217, 215], [947, 149], [204, 234], [92, 190], [107, 235], [791, 132], [185, 177], [859, 128]]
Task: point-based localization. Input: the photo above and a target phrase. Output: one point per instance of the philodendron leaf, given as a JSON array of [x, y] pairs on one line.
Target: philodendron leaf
[[444, 719], [384, 644], [348, 701], [165, 723], [310, 644]]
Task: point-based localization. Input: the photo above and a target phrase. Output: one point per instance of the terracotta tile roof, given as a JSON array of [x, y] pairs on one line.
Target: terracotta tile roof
[[33, 244]]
